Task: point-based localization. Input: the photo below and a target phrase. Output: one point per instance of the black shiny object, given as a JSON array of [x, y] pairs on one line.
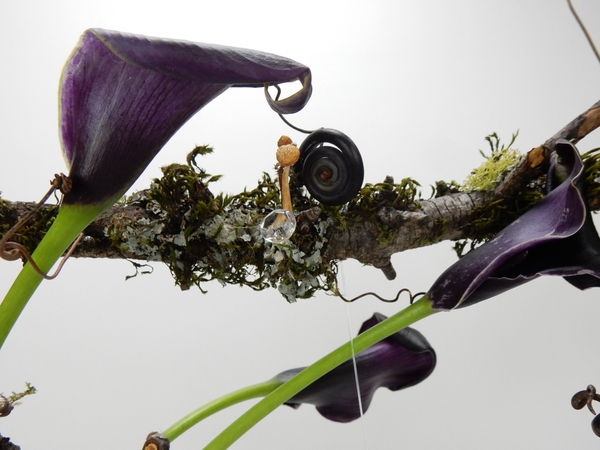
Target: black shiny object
[[330, 166], [596, 425]]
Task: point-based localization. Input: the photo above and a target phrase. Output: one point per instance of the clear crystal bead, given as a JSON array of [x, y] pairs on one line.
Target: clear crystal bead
[[278, 226]]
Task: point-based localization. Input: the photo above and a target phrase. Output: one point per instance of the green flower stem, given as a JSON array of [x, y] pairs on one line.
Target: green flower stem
[[70, 221], [247, 393], [415, 312]]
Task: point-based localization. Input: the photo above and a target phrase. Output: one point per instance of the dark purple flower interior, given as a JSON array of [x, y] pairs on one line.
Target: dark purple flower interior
[[397, 362], [123, 96], [555, 237]]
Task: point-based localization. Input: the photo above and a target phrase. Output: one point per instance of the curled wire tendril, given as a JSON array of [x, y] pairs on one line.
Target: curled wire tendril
[[412, 297], [283, 118], [11, 251]]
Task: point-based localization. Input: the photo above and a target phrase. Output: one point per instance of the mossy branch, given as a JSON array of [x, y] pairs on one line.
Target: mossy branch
[[202, 236]]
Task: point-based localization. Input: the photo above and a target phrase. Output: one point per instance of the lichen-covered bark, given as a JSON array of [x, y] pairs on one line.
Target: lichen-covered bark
[[203, 236], [225, 243], [432, 221]]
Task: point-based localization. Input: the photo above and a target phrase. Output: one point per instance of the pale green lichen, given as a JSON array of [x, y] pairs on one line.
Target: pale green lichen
[[202, 237], [489, 174], [489, 219]]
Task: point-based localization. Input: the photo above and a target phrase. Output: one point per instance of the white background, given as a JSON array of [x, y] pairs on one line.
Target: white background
[[417, 85]]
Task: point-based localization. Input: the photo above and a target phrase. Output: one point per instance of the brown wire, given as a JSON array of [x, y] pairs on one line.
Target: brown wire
[[12, 251]]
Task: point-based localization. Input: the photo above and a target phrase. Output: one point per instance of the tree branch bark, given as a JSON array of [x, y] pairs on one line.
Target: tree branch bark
[[201, 237]]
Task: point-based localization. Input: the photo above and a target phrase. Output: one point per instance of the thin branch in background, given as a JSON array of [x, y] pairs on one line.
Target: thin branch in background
[[584, 29]]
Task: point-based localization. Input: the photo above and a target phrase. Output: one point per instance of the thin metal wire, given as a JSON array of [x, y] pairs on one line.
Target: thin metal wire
[[355, 367], [356, 379], [385, 300], [284, 119]]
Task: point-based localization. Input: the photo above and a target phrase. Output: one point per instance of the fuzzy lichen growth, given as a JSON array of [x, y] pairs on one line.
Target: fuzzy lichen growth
[[202, 237], [489, 174], [488, 220]]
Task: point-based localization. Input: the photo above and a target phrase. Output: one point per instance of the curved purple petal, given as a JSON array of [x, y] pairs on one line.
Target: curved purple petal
[[555, 237], [397, 362], [123, 96]]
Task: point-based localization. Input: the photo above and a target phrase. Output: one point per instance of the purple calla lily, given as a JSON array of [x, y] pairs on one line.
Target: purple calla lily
[[122, 97], [397, 362], [555, 237]]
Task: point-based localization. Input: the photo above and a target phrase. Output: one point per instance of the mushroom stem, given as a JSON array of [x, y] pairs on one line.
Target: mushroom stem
[[286, 197], [287, 155]]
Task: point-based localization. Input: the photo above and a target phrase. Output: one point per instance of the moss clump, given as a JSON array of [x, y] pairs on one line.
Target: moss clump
[[202, 237], [372, 197], [488, 220], [591, 160], [487, 176]]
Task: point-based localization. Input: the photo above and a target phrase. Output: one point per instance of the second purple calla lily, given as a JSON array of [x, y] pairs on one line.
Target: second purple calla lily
[[122, 97], [397, 362], [555, 237]]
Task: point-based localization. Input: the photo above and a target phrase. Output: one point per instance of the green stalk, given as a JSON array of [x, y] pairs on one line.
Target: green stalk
[[70, 221], [415, 312], [227, 400]]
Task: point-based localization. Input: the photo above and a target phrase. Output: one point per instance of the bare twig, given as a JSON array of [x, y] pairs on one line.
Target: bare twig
[[584, 29]]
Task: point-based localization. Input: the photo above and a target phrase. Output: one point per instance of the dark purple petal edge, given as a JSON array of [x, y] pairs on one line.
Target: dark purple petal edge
[[123, 96], [212, 63], [397, 362], [557, 216]]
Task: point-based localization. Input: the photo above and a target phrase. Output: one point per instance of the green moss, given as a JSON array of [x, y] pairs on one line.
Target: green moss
[[372, 197], [202, 237], [591, 160], [15, 397], [402, 196]]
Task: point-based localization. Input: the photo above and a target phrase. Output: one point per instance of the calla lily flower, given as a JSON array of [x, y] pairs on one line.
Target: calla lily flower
[[555, 237], [122, 97], [403, 359], [397, 362]]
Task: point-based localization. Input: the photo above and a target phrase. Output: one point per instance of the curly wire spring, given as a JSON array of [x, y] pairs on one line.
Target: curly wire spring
[[283, 118], [11, 251], [412, 297]]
